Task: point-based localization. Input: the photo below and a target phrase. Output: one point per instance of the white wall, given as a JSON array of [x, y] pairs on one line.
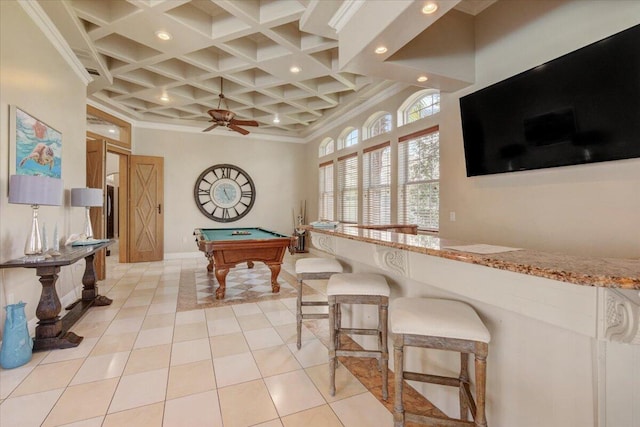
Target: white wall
[[584, 209], [36, 78], [276, 169]]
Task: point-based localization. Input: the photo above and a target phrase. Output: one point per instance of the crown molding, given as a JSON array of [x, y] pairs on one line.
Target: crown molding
[[42, 21], [344, 14], [353, 112], [142, 124]]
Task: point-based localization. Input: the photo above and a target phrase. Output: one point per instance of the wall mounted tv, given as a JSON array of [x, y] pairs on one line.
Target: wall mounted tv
[[583, 107]]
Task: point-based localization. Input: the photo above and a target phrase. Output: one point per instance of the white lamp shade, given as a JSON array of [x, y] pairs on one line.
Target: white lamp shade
[[35, 190], [86, 197]]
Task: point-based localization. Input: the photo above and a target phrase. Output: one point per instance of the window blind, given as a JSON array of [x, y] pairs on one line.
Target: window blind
[[348, 188], [325, 204], [376, 185], [419, 179]]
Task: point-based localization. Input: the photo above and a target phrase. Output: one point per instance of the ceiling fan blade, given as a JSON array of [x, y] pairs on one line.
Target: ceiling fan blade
[[238, 129], [213, 126], [244, 122]]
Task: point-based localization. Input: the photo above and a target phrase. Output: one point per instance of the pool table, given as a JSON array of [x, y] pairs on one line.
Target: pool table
[[227, 247]]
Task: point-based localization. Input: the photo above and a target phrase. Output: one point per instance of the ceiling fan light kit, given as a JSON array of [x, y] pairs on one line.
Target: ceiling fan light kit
[[226, 118]]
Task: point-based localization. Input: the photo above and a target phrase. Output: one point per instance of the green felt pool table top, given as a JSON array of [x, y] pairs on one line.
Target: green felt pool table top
[[237, 233]]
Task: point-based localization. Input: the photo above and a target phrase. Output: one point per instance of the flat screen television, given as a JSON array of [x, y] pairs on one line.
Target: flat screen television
[[582, 107]]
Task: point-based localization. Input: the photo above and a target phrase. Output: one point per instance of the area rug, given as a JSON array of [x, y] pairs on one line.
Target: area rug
[[198, 287]]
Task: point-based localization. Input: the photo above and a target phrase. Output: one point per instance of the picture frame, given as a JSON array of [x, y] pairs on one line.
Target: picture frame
[[35, 148]]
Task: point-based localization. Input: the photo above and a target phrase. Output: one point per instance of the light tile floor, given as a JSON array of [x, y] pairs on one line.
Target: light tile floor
[[143, 363]]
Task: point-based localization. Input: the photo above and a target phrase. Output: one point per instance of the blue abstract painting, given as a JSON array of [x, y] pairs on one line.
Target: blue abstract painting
[[38, 147]]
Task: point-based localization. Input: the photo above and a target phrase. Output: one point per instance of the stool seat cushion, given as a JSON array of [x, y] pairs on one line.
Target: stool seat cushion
[[358, 284], [436, 318], [318, 265]]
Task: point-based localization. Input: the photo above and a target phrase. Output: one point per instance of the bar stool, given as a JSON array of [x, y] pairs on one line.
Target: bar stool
[[312, 269], [444, 325], [358, 288]]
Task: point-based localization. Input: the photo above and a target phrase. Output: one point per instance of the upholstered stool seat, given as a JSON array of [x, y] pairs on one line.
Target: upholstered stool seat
[[444, 325], [312, 269], [358, 288]]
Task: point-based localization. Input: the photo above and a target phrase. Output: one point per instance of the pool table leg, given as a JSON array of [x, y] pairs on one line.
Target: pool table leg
[[275, 270], [249, 264], [210, 266], [221, 275]]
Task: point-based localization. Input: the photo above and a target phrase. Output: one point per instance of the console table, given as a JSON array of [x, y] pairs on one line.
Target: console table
[[53, 331]]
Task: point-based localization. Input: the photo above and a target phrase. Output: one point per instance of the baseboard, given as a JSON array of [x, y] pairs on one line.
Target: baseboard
[[181, 255]]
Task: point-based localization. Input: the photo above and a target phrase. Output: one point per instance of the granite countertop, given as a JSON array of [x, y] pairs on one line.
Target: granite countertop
[[579, 270]]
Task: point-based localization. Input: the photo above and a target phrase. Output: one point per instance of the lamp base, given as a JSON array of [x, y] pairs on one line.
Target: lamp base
[[88, 230], [33, 247]]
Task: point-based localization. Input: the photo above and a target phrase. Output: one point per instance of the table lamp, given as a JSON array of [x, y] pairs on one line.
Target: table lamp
[[87, 197], [35, 190]]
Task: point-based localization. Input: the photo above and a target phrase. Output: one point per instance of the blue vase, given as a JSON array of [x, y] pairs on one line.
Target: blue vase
[[17, 344]]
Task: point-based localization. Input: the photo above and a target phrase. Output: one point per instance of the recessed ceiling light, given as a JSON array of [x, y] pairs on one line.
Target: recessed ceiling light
[[429, 8], [163, 35], [112, 130], [295, 69], [380, 50], [276, 120], [422, 79], [164, 98]]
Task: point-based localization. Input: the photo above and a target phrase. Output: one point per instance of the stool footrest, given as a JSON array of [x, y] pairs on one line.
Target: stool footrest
[[433, 379], [436, 422], [315, 316], [314, 303], [364, 353], [359, 331]]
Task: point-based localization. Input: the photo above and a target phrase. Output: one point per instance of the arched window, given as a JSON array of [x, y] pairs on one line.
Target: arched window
[[326, 147], [419, 178], [377, 124], [420, 105], [348, 138]]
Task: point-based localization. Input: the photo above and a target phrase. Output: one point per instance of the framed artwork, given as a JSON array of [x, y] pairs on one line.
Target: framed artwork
[[35, 147]]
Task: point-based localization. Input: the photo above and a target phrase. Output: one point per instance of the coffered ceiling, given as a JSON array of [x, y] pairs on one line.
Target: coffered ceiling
[[252, 47]]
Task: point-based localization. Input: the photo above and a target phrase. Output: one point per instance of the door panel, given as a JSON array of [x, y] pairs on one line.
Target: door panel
[[146, 209], [96, 163]]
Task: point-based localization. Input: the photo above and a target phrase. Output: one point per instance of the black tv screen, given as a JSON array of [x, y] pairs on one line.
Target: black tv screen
[[583, 107]]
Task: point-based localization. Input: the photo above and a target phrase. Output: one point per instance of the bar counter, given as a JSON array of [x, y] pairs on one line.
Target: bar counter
[[600, 272], [565, 330]]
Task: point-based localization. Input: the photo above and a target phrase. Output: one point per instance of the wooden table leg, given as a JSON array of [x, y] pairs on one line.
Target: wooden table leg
[[89, 286], [221, 275], [50, 333], [275, 270], [211, 264]]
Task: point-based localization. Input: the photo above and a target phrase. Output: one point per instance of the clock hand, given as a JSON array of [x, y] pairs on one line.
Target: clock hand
[[225, 193]]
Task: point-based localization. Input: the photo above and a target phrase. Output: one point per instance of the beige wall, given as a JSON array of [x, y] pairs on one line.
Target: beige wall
[[584, 209], [276, 168], [35, 77]]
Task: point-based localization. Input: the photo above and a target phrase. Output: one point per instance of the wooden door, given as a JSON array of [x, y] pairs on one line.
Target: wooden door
[[96, 164], [146, 198]]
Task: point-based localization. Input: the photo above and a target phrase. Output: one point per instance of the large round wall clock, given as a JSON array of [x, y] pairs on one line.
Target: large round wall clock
[[224, 193]]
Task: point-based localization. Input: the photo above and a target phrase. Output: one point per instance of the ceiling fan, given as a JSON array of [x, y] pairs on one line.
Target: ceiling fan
[[227, 118]]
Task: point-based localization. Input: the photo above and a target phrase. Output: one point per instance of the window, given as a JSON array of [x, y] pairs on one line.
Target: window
[[325, 204], [421, 104], [326, 147], [378, 124], [348, 188], [348, 138], [419, 179], [376, 185]]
